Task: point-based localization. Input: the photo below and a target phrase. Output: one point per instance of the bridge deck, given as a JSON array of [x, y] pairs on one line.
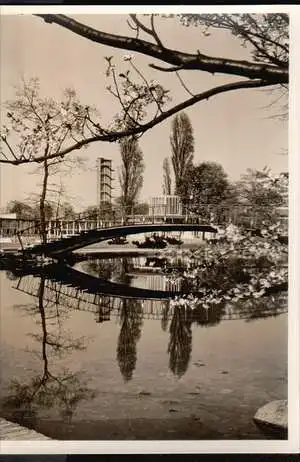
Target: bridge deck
[[68, 244]]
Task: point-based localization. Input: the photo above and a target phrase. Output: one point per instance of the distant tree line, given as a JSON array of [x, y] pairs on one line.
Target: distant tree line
[[32, 212], [205, 186]]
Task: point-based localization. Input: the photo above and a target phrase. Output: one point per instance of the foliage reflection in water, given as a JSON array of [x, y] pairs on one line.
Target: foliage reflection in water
[[62, 389], [131, 321], [177, 317], [56, 299]]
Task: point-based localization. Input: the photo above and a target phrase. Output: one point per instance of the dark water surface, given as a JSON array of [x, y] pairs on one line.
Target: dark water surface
[[117, 368]]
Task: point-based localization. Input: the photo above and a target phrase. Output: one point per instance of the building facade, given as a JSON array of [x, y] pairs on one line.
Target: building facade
[[165, 206], [10, 225]]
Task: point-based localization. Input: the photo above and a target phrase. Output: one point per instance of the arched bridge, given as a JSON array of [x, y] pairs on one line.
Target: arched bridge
[[60, 247]]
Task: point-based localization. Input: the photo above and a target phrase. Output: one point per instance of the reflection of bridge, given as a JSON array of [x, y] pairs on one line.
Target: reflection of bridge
[[67, 276], [77, 291], [60, 247]]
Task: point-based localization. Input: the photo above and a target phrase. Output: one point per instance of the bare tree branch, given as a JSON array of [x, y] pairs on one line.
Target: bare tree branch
[[117, 135], [154, 33], [167, 69], [262, 50], [119, 97], [252, 70], [9, 148], [184, 85], [263, 36], [140, 25], [256, 29], [148, 86]]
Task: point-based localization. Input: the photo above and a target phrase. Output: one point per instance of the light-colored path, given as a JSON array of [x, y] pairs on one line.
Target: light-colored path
[[13, 431]]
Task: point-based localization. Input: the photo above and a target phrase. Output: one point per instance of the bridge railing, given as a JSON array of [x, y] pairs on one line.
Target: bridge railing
[[104, 306], [213, 214]]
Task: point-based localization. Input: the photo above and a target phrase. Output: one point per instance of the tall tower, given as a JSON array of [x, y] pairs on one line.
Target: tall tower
[[104, 181]]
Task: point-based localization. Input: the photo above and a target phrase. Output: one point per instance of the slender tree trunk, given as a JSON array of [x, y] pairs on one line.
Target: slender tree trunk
[[43, 223], [125, 194], [44, 328]]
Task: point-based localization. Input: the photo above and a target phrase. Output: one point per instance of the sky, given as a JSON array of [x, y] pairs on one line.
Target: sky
[[234, 129]]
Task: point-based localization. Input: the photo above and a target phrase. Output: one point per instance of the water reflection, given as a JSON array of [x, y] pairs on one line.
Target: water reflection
[[131, 321], [180, 343], [210, 316], [53, 386], [112, 287], [142, 337], [111, 269], [152, 273], [165, 315]]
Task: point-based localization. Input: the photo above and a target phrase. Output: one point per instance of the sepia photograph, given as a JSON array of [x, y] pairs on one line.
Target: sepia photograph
[[144, 226]]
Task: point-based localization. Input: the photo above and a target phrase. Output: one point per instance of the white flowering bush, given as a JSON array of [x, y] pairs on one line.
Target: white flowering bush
[[233, 267]]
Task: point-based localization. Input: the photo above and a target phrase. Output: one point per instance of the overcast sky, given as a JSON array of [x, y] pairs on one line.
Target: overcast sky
[[234, 129]]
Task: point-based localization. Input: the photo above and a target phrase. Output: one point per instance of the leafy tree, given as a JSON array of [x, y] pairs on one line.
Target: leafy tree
[[207, 188], [259, 188], [264, 36], [182, 144], [21, 209], [107, 211], [130, 174], [167, 180], [142, 208], [49, 211], [66, 210], [263, 193], [91, 211]]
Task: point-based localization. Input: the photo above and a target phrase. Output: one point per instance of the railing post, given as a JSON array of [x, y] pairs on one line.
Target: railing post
[[20, 240]]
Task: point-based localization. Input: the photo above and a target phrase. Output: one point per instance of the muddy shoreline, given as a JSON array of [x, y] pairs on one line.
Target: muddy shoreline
[[174, 428]]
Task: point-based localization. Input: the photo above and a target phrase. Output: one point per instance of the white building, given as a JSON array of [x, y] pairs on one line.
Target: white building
[[165, 206]]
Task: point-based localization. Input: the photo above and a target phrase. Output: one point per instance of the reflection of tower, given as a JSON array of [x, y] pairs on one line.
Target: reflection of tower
[[102, 315], [105, 305], [104, 181]]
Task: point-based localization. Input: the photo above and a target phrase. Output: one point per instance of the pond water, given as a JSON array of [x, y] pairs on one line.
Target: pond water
[[77, 365]]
